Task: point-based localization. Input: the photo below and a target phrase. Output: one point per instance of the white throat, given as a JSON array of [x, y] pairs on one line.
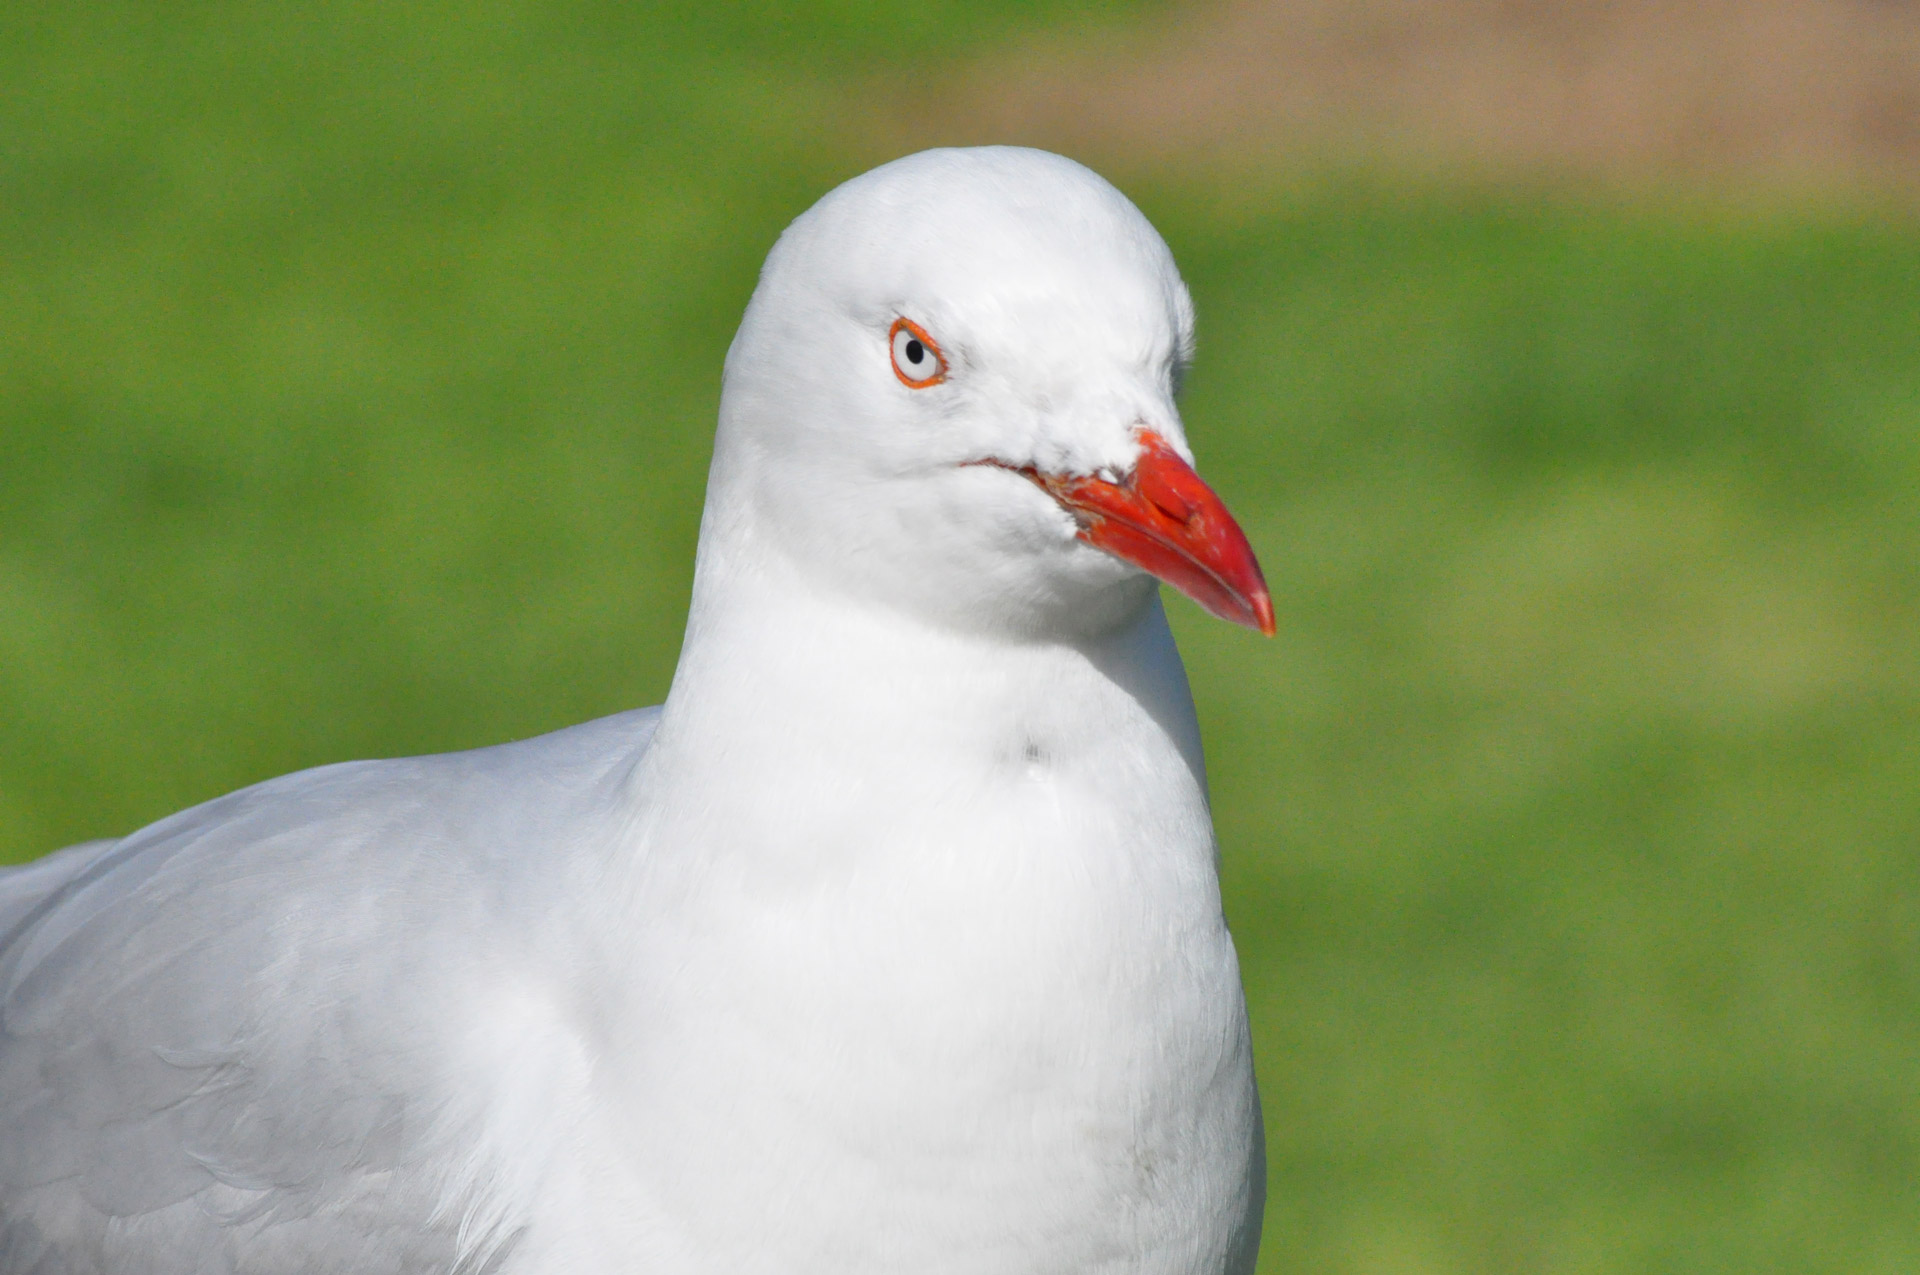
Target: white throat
[[936, 902]]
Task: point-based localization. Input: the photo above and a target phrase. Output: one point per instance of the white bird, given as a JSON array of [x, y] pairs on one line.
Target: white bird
[[891, 942]]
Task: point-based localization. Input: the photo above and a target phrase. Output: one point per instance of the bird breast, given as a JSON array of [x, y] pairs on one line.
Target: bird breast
[[936, 972]]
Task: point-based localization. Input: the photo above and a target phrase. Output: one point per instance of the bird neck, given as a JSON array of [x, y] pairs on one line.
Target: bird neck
[[789, 700]]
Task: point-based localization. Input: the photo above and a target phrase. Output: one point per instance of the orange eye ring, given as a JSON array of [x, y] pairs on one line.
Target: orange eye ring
[[917, 359]]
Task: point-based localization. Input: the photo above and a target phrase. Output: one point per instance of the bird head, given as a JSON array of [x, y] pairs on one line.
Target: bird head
[[953, 392]]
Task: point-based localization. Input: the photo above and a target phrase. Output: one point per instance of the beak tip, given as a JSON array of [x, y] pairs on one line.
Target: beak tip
[[1263, 613]]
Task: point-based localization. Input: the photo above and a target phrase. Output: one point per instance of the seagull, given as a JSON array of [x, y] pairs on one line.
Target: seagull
[[892, 941]]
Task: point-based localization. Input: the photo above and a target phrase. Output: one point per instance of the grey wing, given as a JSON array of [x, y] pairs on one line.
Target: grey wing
[[24, 889], [223, 1039]]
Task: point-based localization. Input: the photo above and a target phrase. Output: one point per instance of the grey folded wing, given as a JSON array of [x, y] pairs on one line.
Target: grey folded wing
[[24, 889], [224, 1039]]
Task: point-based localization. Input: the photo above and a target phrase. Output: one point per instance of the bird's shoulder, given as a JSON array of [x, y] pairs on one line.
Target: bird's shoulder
[[241, 1014]]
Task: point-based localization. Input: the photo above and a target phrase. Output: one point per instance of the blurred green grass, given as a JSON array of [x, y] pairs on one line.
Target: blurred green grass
[[357, 372]]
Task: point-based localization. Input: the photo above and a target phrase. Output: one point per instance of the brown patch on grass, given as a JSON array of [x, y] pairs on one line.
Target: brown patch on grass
[[1793, 90]]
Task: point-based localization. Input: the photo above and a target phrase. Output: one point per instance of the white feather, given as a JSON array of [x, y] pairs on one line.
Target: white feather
[[892, 941]]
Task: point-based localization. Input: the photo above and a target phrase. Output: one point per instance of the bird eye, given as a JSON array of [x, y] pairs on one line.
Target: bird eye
[[917, 361]]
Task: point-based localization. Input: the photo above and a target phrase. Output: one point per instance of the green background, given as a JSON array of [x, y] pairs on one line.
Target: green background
[[357, 372]]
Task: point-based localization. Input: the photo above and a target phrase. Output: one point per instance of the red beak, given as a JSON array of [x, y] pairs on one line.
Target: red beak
[[1165, 521]]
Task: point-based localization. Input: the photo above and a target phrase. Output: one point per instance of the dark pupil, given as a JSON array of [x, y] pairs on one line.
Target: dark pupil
[[915, 351]]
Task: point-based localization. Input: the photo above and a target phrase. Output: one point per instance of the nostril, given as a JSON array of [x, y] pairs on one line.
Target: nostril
[[1162, 479], [1163, 494]]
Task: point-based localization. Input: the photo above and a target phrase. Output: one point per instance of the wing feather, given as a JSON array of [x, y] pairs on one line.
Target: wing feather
[[226, 1036]]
